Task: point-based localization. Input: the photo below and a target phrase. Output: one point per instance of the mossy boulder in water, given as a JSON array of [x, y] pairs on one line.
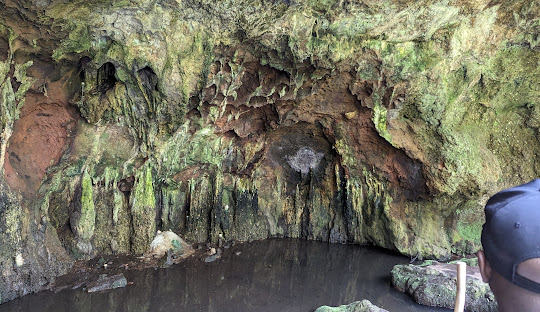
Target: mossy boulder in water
[[358, 306], [435, 285]]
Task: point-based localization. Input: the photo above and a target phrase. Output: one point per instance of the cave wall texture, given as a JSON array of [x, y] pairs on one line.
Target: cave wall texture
[[362, 121]]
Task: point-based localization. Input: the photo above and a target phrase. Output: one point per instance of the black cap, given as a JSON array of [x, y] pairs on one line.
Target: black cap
[[511, 233]]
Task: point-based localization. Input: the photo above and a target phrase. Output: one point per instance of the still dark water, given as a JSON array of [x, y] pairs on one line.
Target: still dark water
[[271, 275]]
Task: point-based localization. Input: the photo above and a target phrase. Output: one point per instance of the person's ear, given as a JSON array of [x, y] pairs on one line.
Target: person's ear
[[485, 268]]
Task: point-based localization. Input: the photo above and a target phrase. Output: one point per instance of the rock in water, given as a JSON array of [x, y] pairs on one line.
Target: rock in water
[[167, 261], [358, 306], [169, 241], [105, 282], [435, 285], [213, 256]]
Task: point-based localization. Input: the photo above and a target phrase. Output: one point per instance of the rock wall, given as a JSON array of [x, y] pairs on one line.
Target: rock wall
[[30, 252], [388, 123]]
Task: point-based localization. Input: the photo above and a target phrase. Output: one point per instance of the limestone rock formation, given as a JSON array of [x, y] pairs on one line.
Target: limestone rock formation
[[345, 121]]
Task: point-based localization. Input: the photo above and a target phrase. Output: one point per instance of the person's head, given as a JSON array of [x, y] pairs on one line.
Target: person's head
[[510, 261]]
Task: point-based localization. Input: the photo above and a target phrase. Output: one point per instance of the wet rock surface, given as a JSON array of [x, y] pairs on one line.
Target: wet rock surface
[[435, 285], [105, 282], [214, 254], [107, 271], [359, 306], [102, 270]]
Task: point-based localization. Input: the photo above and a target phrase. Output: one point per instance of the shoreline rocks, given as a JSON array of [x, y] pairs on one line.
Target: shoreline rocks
[[435, 285], [105, 282], [358, 306]]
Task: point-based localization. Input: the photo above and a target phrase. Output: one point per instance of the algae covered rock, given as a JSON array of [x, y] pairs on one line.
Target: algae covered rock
[[358, 306], [83, 219], [435, 285]]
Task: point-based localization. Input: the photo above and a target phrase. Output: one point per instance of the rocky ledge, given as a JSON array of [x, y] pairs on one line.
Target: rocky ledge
[[435, 285]]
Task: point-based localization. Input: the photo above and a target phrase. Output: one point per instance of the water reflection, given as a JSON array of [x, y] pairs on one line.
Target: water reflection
[[272, 275]]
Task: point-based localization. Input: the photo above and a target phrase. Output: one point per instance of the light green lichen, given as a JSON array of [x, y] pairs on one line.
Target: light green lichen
[[8, 105], [79, 40], [86, 222], [13, 223], [202, 147], [379, 119], [144, 197], [143, 211], [26, 82], [118, 204], [9, 110]]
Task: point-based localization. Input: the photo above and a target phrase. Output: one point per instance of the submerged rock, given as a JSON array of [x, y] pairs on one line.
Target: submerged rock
[[435, 285], [358, 306], [105, 282], [167, 261], [214, 255]]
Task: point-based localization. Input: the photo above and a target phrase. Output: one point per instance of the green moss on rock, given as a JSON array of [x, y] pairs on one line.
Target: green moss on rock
[[83, 220], [79, 40], [143, 211]]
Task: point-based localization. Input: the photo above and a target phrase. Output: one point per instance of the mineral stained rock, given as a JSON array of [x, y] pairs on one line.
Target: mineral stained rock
[[345, 121], [358, 306], [435, 285]]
